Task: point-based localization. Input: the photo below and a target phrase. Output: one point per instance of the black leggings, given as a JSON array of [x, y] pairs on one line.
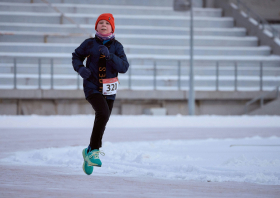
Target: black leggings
[[103, 109]]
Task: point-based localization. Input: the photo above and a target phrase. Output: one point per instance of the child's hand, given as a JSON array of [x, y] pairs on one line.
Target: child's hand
[[104, 50], [84, 72]]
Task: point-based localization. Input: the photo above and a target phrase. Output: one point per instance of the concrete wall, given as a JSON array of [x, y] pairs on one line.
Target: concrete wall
[[272, 108], [128, 107], [59, 102]]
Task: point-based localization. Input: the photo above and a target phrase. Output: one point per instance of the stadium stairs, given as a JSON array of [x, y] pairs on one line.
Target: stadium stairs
[[227, 62]]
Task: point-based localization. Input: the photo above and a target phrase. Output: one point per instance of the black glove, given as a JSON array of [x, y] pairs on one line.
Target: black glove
[[84, 72], [104, 50]]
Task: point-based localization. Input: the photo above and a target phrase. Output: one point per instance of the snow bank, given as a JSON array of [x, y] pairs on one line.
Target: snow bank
[[210, 160], [254, 160], [142, 121]]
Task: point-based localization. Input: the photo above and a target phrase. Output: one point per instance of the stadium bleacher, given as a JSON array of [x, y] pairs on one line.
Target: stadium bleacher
[[155, 38]]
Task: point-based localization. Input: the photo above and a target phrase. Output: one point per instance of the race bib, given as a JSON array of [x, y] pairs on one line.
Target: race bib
[[110, 86]]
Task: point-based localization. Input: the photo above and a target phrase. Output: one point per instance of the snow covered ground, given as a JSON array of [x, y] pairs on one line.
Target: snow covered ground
[[255, 160], [141, 121], [154, 149]]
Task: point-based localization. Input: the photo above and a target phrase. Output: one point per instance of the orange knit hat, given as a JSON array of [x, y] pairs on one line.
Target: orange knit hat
[[108, 17]]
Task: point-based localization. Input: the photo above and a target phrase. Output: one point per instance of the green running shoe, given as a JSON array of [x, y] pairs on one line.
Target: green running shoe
[[86, 168], [92, 158]]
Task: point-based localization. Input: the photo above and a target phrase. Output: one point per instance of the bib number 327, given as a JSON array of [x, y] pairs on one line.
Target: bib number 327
[[110, 86]]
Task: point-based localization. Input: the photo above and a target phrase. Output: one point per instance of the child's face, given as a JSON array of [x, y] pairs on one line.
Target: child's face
[[104, 27]]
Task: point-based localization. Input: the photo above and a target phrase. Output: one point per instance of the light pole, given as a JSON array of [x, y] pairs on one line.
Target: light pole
[[187, 5]]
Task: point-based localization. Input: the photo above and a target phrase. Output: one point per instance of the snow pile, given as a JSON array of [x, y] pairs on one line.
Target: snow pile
[[254, 160]]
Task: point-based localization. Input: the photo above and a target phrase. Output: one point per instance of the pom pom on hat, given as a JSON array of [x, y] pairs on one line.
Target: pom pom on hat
[[108, 17]]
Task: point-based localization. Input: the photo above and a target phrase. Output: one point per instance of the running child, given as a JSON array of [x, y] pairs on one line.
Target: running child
[[105, 59]]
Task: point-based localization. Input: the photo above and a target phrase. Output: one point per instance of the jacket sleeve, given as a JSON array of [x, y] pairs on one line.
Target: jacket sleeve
[[118, 60], [79, 55]]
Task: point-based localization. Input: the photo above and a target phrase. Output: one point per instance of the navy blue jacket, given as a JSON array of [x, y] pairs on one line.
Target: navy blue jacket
[[117, 63]]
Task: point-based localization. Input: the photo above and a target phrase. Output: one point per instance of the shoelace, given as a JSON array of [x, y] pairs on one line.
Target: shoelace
[[96, 154]]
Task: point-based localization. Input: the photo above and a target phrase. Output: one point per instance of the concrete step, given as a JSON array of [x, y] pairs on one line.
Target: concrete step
[[253, 71], [41, 28], [128, 39], [201, 51], [45, 80], [25, 7], [205, 71], [135, 10], [162, 3], [115, 9], [30, 17], [137, 88], [140, 81], [147, 59], [151, 30], [41, 37], [157, 20], [33, 27], [139, 49], [145, 20], [169, 40], [120, 29]]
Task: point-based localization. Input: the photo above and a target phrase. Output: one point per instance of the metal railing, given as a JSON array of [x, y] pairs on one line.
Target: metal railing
[[154, 76], [217, 74], [262, 23], [261, 99]]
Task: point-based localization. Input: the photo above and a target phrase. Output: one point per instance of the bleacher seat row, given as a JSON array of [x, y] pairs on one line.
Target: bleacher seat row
[[155, 38]]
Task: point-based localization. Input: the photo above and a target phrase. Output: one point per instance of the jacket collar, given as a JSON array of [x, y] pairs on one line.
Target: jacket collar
[[101, 43]]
